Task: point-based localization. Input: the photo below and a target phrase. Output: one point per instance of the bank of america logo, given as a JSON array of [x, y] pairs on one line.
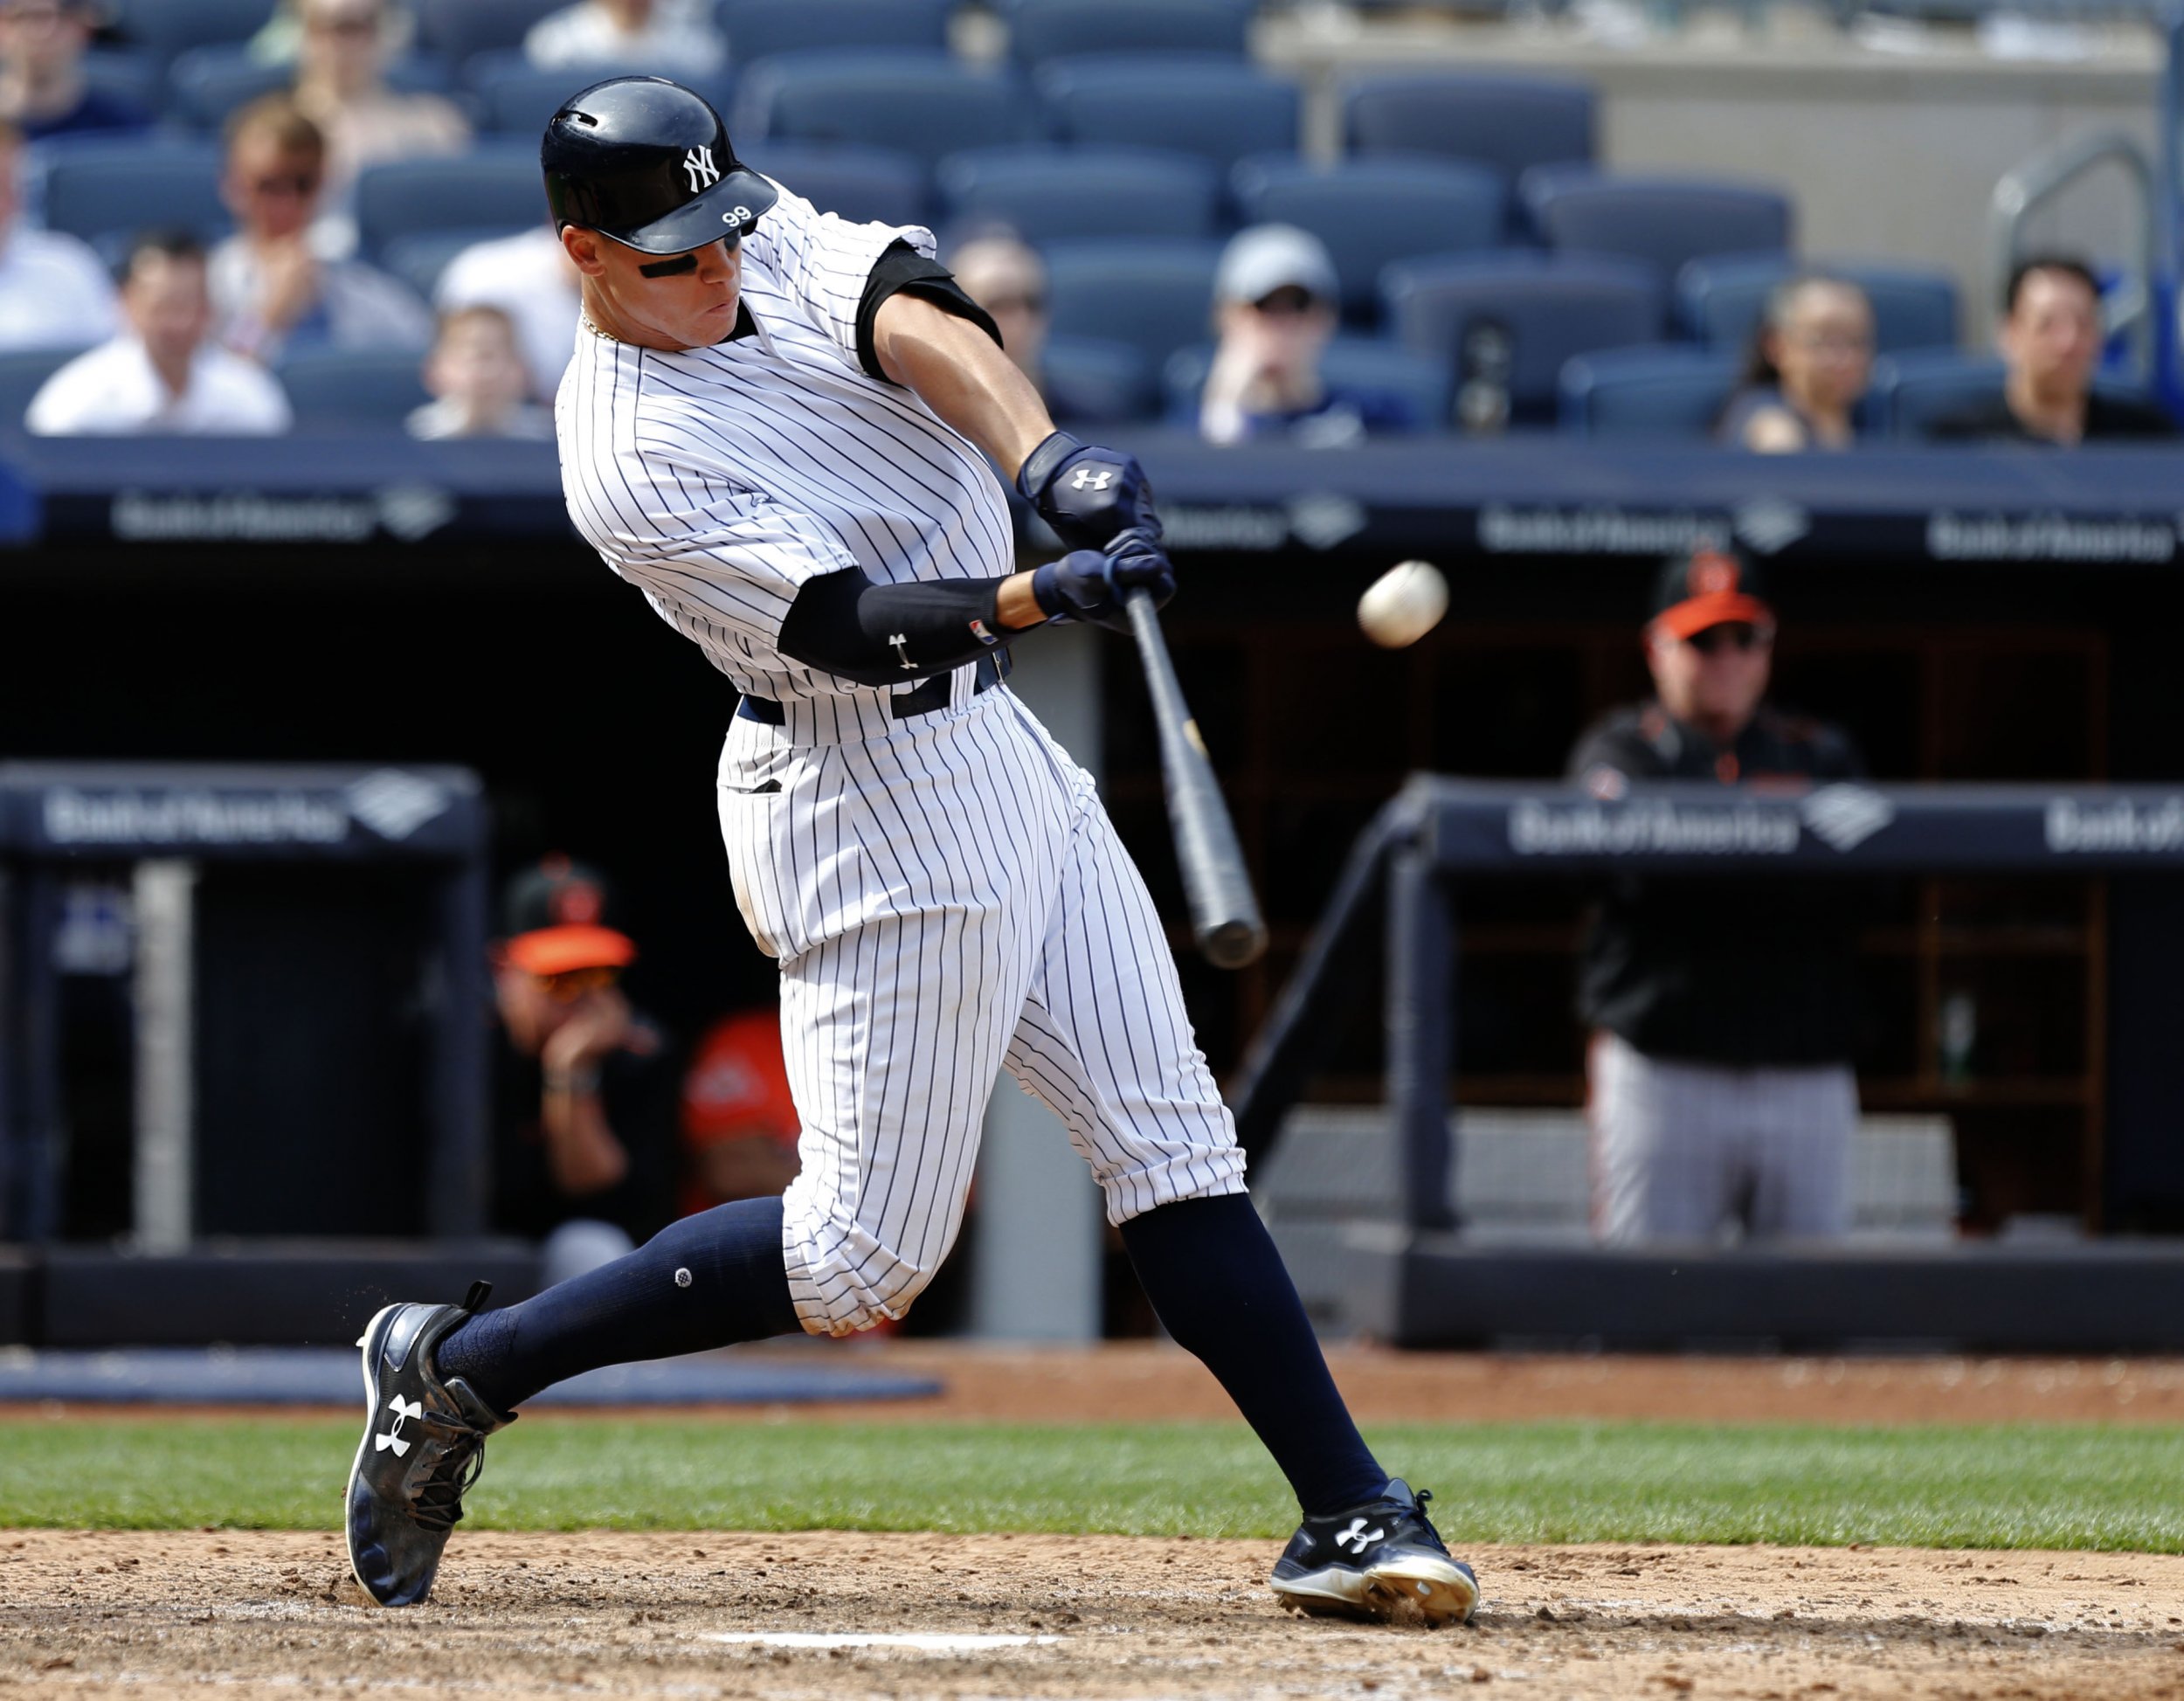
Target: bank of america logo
[[394, 805], [1844, 817], [1770, 525]]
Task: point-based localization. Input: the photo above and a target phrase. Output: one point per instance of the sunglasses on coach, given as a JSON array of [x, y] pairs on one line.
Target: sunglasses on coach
[[1732, 635], [573, 984]]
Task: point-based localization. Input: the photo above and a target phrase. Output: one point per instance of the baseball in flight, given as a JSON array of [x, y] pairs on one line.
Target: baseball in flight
[[1403, 604]]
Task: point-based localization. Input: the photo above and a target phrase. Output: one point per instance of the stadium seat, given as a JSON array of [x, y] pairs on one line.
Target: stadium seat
[[1371, 212], [1508, 124], [925, 103], [1089, 381], [872, 185], [759, 28], [1156, 296], [1663, 221], [1051, 194], [136, 77], [1535, 311], [206, 84], [418, 260], [364, 390], [1041, 30], [1664, 392], [23, 374], [515, 100], [1357, 363], [461, 28], [105, 186], [1191, 103], [1913, 389], [1719, 300], [168, 27], [493, 187]]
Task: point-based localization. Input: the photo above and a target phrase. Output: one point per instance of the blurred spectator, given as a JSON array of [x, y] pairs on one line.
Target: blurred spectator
[[341, 87], [585, 1090], [274, 289], [1005, 275], [1810, 362], [2050, 340], [479, 382], [54, 292], [162, 373], [1724, 1011], [1275, 312], [43, 91], [645, 34], [531, 279], [739, 1123]]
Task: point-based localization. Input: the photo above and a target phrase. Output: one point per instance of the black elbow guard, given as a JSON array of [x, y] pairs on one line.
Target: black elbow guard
[[887, 634]]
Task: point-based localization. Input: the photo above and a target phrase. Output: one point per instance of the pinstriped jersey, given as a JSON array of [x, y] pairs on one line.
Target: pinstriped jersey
[[718, 481]]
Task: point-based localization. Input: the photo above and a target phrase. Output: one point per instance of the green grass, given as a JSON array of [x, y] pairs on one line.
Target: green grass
[[2014, 1486]]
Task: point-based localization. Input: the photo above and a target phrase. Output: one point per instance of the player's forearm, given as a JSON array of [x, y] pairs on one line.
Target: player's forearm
[[959, 372], [888, 634]]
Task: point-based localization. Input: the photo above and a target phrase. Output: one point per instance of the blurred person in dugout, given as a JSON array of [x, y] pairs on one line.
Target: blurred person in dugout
[[1809, 364], [278, 283], [54, 292], [669, 37], [478, 381], [42, 89], [1275, 312], [2050, 339], [585, 1086], [1723, 1011], [162, 373], [739, 1123]]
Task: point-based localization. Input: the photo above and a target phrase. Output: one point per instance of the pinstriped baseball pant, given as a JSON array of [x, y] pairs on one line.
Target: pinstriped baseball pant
[[1680, 1149], [947, 900]]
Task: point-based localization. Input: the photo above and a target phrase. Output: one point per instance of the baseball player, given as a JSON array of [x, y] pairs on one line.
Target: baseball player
[[777, 427]]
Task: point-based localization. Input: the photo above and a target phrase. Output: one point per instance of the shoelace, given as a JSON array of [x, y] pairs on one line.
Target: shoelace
[[438, 1504]]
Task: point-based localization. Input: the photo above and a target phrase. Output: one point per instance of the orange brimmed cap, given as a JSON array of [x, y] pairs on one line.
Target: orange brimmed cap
[[1711, 586], [557, 914]]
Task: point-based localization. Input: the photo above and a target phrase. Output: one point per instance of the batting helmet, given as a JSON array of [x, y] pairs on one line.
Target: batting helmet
[[646, 161]]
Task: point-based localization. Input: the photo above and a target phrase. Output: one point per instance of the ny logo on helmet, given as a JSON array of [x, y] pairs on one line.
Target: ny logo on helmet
[[703, 173]]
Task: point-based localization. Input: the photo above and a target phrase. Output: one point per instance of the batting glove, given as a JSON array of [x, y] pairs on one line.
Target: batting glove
[[1089, 584], [1089, 495]]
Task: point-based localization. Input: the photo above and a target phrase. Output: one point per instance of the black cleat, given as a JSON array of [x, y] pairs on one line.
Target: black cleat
[[424, 1442], [1364, 1562]]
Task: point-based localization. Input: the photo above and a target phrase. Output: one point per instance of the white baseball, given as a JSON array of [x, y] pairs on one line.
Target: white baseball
[[1404, 603]]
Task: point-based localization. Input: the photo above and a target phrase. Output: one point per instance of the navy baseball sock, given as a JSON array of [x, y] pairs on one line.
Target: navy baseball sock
[[707, 1281], [1210, 1269]]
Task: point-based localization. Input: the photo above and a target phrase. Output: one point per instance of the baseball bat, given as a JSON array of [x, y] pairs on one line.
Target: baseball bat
[[1223, 912]]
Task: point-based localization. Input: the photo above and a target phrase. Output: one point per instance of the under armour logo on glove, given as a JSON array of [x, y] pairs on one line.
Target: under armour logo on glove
[[411, 1411], [1089, 480], [1357, 1532], [1091, 496]]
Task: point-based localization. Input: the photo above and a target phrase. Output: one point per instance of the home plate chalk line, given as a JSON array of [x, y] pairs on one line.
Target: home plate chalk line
[[922, 1642]]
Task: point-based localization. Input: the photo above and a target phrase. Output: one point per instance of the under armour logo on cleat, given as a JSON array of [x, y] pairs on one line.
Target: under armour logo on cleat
[[1359, 1534], [410, 1411], [1089, 480]]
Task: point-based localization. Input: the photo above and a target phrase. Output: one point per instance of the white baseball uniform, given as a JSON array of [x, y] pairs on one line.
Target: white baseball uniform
[[943, 888]]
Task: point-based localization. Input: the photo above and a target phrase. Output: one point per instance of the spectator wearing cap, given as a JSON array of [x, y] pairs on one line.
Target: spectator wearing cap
[[530, 277], [1723, 1011], [640, 35], [43, 90], [1808, 367], [341, 87], [163, 374], [54, 292], [739, 1122], [1274, 300], [277, 288], [478, 381], [585, 1090], [2051, 338]]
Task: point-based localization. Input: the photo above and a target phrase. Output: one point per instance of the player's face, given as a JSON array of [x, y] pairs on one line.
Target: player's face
[[660, 302]]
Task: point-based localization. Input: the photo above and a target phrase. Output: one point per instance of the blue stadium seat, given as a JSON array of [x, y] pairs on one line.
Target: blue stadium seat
[[102, 186], [1353, 362], [168, 27], [1668, 392], [1719, 300], [1371, 212], [1663, 221], [1192, 103], [418, 260], [515, 100], [136, 77], [871, 185], [759, 28], [1910, 390], [1050, 194], [23, 374], [1528, 312], [362, 390], [1157, 296], [1089, 381], [461, 28], [925, 103], [1508, 124], [1056, 29], [206, 84], [490, 188]]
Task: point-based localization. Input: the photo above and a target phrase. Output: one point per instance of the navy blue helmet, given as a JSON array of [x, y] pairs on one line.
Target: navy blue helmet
[[647, 163]]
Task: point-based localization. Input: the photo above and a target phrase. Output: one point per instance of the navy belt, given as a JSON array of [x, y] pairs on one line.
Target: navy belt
[[920, 700]]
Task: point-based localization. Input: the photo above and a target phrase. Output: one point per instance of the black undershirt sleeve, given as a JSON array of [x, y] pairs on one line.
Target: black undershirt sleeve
[[843, 623], [901, 267]]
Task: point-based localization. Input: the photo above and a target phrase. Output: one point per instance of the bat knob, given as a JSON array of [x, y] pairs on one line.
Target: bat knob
[[1232, 944]]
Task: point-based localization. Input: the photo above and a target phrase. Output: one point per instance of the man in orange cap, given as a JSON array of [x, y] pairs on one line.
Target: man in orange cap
[[1724, 1011], [587, 1091]]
